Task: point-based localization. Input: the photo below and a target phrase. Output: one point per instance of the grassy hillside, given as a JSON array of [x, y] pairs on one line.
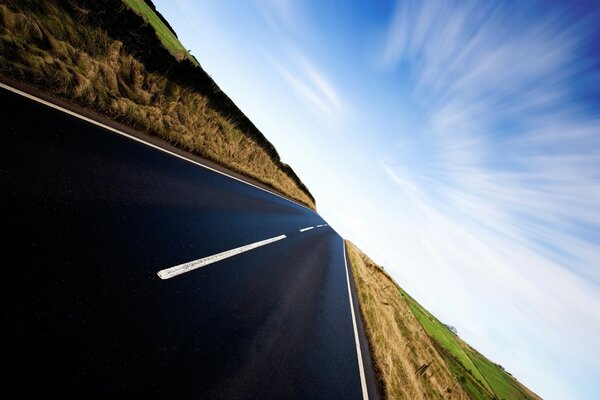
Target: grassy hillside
[[403, 336], [165, 33], [110, 58]]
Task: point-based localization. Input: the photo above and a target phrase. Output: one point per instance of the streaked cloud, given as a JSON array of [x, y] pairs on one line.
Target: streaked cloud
[[281, 15], [312, 88], [507, 198]]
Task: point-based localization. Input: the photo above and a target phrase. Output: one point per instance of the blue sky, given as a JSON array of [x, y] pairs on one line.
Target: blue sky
[[456, 143]]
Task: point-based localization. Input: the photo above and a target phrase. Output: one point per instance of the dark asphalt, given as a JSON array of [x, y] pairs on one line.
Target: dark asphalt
[[89, 217]]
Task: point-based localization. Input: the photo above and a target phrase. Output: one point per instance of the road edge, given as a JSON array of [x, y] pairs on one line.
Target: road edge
[[35, 94], [372, 385], [361, 367]]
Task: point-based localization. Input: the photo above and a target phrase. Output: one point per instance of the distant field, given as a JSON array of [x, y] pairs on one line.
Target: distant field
[[504, 386], [404, 336], [457, 358], [481, 378], [164, 33]]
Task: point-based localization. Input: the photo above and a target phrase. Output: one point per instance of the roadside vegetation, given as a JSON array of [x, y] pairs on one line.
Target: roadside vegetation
[[127, 64], [406, 361], [404, 337]]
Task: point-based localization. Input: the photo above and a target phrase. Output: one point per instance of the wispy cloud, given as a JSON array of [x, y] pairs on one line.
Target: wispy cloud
[[509, 194], [287, 19], [313, 88], [280, 13]]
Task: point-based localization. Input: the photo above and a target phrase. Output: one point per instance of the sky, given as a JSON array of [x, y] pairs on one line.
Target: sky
[[456, 143]]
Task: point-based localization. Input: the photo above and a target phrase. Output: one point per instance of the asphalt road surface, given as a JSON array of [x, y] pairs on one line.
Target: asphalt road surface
[[90, 217]]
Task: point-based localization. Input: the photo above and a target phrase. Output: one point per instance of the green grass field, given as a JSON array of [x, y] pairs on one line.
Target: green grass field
[[457, 359], [481, 378], [504, 386], [167, 38]]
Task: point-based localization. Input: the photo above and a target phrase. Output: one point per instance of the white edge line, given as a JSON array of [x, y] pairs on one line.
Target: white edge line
[[100, 124], [201, 262], [306, 229], [361, 368]]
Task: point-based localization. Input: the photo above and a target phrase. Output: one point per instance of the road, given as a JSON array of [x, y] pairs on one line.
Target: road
[[89, 219]]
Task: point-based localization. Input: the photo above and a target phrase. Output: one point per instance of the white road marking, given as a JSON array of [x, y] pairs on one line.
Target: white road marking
[[100, 124], [361, 368], [318, 226], [183, 268], [189, 266]]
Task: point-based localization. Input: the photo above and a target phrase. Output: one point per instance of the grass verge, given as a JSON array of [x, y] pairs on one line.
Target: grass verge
[[103, 56], [404, 337]]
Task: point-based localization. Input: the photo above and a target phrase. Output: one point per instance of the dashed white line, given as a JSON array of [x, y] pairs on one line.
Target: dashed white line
[[189, 266], [308, 228], [361, 368]]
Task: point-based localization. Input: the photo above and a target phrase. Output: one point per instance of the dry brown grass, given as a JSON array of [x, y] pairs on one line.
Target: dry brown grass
[[44, 45], [399, 346]]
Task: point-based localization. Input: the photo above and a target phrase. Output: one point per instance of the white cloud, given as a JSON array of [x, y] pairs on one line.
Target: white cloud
[[505, 296], [313, 88], [280, 13], [505, 204]]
